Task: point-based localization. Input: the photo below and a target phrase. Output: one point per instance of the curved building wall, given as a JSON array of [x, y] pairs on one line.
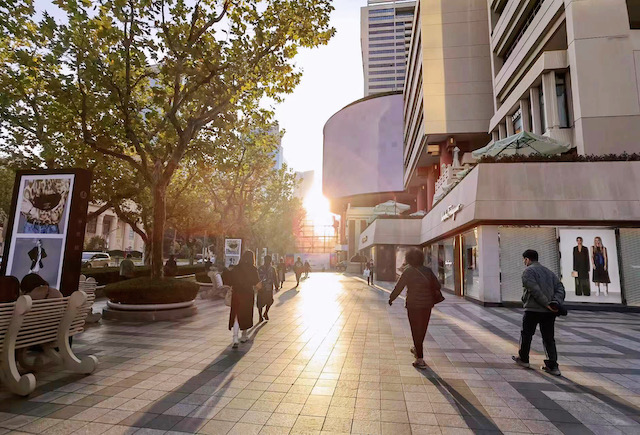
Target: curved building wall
[[363, 148]]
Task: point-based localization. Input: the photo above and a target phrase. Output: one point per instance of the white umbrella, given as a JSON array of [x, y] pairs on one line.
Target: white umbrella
[[390, 208], [523, 143]]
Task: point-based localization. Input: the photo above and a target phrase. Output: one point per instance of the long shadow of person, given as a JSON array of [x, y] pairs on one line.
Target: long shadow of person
[[474, 415], [286, 296]]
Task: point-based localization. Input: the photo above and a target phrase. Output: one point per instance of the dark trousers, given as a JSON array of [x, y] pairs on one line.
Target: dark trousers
[[530, 321], [419, 321], [369, 280], [583, 287]]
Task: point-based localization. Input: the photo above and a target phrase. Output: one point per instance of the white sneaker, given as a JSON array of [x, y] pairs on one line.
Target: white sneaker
[[244, 337]]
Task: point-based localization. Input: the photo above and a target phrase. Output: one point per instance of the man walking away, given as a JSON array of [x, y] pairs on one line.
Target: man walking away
[[542, 297], [127, 268], [307, 269], [298, 268]]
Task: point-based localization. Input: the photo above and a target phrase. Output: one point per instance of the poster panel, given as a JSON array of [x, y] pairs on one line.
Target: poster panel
[[46, 226], [589, 265], [232, 251]]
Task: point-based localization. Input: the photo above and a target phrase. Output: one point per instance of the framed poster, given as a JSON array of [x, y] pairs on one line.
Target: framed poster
[[46, 226], [232, 251], [589, 265]]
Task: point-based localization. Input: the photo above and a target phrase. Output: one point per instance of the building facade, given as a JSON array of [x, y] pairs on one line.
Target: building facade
[[117, 234], [569, 70], [483, 70], [386, 27]]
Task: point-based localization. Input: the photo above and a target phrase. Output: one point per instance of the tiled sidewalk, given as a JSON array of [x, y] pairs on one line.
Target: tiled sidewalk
[[335, 358]]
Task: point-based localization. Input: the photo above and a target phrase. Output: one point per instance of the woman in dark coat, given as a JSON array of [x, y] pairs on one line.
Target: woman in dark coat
[[581, 264], [244, 277], [422, 294]]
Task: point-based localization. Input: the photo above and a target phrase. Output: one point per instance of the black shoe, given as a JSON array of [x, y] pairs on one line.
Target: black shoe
[[521, 363], [554, 371], [260, 319], [266, 316]]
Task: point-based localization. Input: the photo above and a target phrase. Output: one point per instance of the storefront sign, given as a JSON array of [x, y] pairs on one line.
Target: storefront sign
[[451, 212], [364, 239]]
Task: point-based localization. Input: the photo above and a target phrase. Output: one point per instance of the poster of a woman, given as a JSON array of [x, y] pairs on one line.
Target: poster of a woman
[[600, 263]]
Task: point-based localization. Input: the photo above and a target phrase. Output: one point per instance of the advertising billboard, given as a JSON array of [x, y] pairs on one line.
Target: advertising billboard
[[589, 265], [46, 226], [232, 251]]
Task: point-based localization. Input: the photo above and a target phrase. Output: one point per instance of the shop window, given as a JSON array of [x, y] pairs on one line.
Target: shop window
[[633, 8], [446, 264], [561, 96], [471, 263]]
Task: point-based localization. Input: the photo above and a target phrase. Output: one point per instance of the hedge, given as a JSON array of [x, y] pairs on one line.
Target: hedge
[[569, 157], [152, 291], [110, 275], [203, 277]]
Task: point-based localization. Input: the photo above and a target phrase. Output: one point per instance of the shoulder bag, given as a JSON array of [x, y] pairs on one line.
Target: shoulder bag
[[438, 297]]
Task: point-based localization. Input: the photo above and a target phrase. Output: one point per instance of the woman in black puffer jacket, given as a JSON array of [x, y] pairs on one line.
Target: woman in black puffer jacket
[[423, 292]]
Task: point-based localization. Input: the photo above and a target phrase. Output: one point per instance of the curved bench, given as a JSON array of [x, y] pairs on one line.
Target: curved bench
[[49, 323]]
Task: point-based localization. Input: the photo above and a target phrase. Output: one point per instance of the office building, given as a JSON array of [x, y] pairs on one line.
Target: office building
[[385, 36]]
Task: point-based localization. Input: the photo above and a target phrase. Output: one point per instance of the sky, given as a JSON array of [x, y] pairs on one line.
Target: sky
[[332, 78]]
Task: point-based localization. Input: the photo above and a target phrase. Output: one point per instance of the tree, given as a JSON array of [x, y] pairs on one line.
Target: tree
[[7, 177], [147, 83], [95, 243]]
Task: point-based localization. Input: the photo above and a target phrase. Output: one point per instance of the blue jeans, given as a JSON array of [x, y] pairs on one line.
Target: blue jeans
[[41, 228]]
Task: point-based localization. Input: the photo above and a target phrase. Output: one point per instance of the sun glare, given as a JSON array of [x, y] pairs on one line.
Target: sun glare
[[317, 208]]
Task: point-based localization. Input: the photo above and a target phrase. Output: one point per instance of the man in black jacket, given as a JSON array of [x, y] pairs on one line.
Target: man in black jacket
[[543, 294]]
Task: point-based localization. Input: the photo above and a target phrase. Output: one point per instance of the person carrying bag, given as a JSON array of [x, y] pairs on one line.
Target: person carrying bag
[[423, 292]]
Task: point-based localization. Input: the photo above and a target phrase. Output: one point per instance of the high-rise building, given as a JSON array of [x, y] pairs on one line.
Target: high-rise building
[[385, 37]]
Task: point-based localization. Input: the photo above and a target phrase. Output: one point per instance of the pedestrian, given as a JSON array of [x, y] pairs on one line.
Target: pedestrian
[[423, 292], [298, 267], [542, 298], [371, 270], [367, 274], [127, 268], [38, 288], [282, 272], [243, 278], [269, 280], [171, 267], [307, 269]]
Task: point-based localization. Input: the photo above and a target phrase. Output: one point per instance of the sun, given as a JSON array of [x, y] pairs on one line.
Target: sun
[[317, 208]]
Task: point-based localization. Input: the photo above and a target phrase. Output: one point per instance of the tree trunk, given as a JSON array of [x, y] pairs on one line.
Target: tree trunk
[[157, 236]]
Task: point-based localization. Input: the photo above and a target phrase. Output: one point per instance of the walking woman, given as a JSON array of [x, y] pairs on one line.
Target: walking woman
[[600, 264], [423, 292], [269, 279], [244, 277]]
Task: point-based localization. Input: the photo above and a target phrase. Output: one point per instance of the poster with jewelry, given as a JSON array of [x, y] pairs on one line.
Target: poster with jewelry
[[589, 265], [232, 251], [46, 226]]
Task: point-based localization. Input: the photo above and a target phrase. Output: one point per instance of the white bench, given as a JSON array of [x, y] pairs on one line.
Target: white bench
[[47, 322]]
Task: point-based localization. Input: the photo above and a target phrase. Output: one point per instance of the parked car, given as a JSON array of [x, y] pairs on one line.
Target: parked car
[[95, 259]]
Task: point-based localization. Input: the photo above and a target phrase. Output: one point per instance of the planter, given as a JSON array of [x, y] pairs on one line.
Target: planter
[[149, 312]]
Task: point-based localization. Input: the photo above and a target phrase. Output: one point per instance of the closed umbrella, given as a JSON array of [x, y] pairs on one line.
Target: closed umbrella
[[523, 143]]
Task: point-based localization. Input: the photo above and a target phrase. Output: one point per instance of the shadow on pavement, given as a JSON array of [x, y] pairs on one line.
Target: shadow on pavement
[[286, 296], [474, 415], [190, 406]]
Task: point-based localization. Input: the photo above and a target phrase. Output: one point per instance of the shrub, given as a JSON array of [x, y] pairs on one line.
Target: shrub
[[568, 157], [203, 277], [145, 290]]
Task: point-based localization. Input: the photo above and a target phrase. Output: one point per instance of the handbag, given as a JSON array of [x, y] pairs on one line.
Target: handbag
[[438, 297], [228, 296]]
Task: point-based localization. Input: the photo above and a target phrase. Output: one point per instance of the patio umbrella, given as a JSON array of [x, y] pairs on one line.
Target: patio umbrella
[[391, 208], [523, 143]]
